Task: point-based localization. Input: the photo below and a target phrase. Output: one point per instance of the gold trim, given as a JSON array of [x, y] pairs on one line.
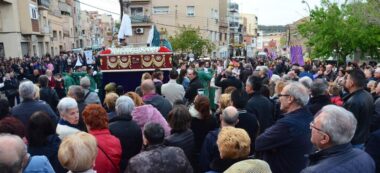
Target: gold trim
[[125, 64], [146, 63], [112, 64]]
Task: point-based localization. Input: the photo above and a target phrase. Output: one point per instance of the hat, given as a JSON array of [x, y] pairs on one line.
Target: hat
[[249, 166]]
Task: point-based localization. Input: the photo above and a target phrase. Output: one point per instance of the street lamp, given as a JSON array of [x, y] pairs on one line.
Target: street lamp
[[308, 6]]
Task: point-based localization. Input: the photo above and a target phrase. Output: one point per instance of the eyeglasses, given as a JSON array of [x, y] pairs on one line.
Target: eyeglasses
[[285, 95], [313, 126]]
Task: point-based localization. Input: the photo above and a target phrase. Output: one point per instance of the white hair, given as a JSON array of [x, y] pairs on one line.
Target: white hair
[[65, 104], [275, 78], [299, 92], [124, 106], [338, 123], [85, 82], [306, 81], [27, 90]]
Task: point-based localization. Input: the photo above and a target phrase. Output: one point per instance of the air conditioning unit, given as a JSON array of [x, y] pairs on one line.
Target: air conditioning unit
[[139, 31]]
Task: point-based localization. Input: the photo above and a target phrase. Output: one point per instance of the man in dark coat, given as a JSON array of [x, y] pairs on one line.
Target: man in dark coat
[[360, 103], [332, 130], [229, 81], [210, 152], [319, 96], [285, 144], [259, 105], [373, 149], [123, 127], [151, 97], [48, 94], [247, 121], [158, 157], [28, 106], [194, 85]]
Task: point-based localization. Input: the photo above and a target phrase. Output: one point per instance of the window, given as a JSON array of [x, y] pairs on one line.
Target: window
[[161, 10], [190, 11], [33, 11], [137, 11]]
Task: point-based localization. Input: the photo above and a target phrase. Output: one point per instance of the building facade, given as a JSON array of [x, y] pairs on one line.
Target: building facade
[[36, 27]]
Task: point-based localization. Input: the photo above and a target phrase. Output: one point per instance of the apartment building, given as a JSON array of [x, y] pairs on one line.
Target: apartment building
[[35, 27]]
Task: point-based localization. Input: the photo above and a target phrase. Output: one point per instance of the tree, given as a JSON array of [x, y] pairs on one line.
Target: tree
[[339, 30], [189, 39]]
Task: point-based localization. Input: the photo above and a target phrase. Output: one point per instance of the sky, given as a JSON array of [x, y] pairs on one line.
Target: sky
[[269, 12]]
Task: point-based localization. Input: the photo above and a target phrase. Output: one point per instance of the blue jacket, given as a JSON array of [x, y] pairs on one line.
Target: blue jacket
[[285, 143], [209, 151], [340, 159], [38, 164]]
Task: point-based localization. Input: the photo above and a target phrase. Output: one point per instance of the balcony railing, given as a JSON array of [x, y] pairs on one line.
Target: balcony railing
[[44, 4], [140, 19]]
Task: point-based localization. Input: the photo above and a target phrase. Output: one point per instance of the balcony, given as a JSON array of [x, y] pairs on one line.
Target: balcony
[[45, 30], [43, 4], [140, 19], [234, 7], [65, 8]]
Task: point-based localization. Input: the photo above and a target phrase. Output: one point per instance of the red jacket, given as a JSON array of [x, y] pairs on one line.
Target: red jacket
[[110, 145], [337, 100]]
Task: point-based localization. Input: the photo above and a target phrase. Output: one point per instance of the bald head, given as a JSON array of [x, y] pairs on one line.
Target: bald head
[[230, 116], [12, 152], [147, 87]]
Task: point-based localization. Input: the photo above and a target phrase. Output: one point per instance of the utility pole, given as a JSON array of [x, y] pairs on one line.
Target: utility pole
[[228, 28]]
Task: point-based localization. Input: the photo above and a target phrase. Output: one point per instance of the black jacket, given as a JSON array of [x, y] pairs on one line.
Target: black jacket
[[130, 136], [50, 150], [316, 103], [162, 104], [200, 129], [262, 107], [249, 123], [50, 97], [183, 140], [360, 103], [340, 159], [373, 149], [229, 81], [192, 91]]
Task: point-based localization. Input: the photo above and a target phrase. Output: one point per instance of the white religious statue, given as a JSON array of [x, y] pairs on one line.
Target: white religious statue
[[125, 29]]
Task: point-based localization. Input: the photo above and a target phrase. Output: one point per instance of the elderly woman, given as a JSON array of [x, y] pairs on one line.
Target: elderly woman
[[42, 139], [123, 127], [109, 103], [202, 120], [143, 114], [109, 153], [234, 146], [181, 135], [78, 152], [69, 113]]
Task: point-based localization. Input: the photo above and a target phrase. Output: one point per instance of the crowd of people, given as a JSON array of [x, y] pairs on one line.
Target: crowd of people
[[229, 115]]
